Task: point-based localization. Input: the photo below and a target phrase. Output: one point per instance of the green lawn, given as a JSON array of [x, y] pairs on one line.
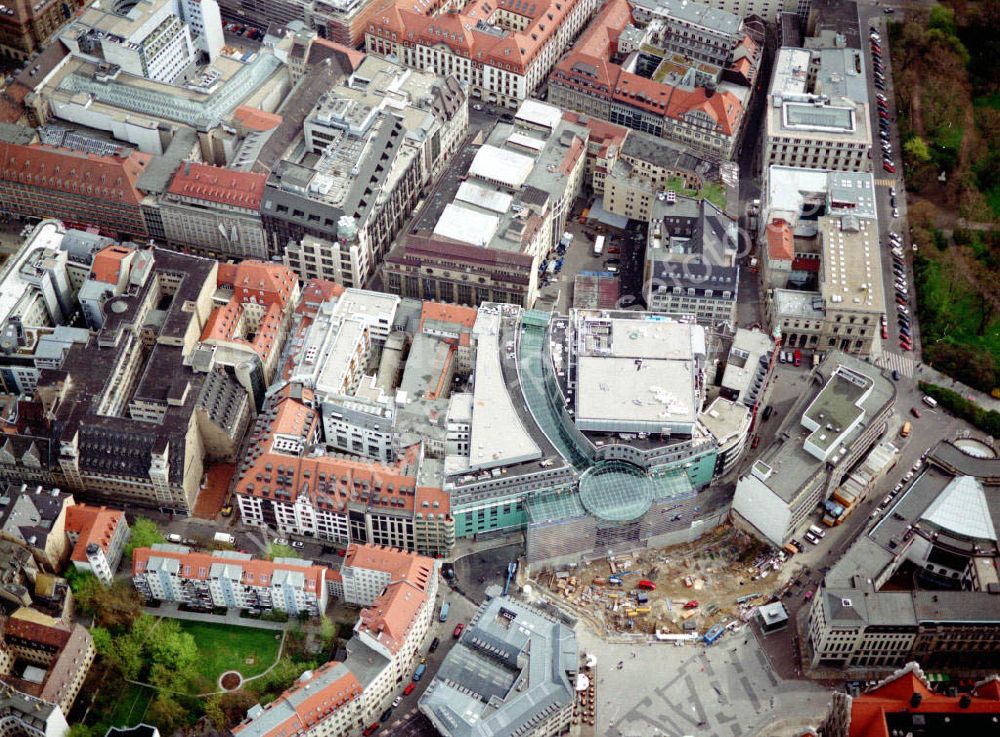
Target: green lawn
[[714, 193], [222, 648], [952, 312], [131, 707]]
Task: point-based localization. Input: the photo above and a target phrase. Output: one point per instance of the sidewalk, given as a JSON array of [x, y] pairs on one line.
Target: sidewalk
[[930, 375], [231, 618]]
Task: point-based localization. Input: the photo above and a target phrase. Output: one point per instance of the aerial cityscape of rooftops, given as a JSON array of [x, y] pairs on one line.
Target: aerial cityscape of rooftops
[[499, 368]]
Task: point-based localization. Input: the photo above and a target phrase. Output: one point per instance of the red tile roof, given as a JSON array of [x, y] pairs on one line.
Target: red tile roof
[[256, 120], [780, 243], [594, 50], [108, 263], [315, 707], [93, 525], [242, 189], [108, 178], [440, 312], [258, 283], [869, 710], [514, 51], [43, 635], [198, 566], [330, 480]]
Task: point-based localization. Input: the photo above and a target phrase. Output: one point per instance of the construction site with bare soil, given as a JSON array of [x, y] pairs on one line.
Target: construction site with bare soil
[[673, 593]]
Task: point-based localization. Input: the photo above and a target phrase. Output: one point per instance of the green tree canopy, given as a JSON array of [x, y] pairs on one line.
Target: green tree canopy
[[145, 533], [916, 147]]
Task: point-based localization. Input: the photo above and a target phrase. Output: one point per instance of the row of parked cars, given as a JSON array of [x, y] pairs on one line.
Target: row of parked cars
[[884, 122], [902, 293]]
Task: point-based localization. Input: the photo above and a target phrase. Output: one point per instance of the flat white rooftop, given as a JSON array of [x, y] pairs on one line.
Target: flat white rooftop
[[14, 286], [466, 225], [501, 165], [498, 437], [624, 394], [538, 113], [484, 197]]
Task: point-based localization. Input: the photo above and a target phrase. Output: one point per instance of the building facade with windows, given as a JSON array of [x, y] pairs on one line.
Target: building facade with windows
[[690, 266], [941, 526], [425, 118], [344, 697], [85, 190], [98, 536], [677, 70], [229, 579], [817, 113], [500, 212], [213, 212], [501, 52]]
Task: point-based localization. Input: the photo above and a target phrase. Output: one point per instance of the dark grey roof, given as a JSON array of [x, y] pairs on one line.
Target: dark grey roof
[[19, 134], [297, 105], [158, 173], [664, 153], [513, 667], [28, 512]]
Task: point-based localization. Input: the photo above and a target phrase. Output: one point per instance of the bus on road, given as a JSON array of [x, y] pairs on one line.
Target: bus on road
[[599, 245], [712, 636]]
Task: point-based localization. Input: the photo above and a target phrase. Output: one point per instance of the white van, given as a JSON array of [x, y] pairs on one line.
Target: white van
[[930, 402], [817, 531]]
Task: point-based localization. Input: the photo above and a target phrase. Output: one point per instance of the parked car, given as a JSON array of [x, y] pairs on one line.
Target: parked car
[[895, 375], [385, 715], [280, 541], [298, 544], [409, 689], [435, 643], [371, 729], [397, 701], [915, 412], [889, 167], [885, 332], [755, 442], [457, 632]]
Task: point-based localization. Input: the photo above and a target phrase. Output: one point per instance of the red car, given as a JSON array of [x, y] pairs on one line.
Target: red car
[[647, 585], [885, 332], [915, 412], [614, 249], [370, 729], [409, 689], [458, 630], [889, 167], [693, 604], [755, 442], [797, 357]]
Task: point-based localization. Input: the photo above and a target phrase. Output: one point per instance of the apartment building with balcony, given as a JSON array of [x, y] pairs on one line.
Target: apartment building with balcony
[[229, 579], [502, 52], [343, 697]]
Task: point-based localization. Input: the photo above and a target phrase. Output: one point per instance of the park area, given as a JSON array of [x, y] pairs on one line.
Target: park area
[[948, 100], [223, 648]]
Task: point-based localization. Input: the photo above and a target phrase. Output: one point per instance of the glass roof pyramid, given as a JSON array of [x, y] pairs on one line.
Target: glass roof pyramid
[[961, 507]]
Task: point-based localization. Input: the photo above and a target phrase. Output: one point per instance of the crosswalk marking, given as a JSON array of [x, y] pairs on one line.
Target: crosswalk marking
[[895, 361], [885, 182]]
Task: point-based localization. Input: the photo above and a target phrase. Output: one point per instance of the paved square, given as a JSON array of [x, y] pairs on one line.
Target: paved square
[[727, 690]]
